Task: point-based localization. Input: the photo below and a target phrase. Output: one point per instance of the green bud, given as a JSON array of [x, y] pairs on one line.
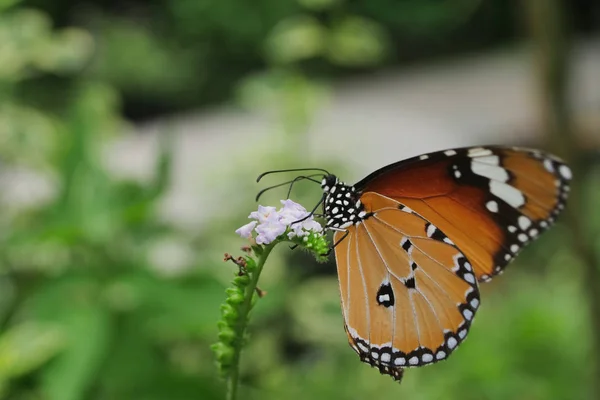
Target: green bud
[[241, 281], [235, 298], [227, 335], [250, 264], [229, 313], [233, 291], [222, 324], [224, 353]]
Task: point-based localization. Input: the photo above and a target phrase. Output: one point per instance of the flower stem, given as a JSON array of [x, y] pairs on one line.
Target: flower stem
[[240, 329]]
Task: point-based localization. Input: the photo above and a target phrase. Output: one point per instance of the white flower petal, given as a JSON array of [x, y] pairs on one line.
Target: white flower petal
[[264, 213], [291, 206], [311, 225], [269, 231], [291, 212], [246, 230]]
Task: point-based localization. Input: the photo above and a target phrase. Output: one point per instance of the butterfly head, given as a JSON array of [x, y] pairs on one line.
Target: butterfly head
[[329, 181], [342, 205]]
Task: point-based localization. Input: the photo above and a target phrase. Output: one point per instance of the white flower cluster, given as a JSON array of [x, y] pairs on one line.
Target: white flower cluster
[[270, 223]]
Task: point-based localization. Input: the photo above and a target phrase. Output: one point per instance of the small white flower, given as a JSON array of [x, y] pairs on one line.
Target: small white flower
[[312, 225], [246, 230], [273, 223], [291, 212], [263, 213], [269, 231], [304, 228]]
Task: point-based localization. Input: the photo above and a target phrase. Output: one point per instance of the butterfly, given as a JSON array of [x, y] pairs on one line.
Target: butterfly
[[414, 239]]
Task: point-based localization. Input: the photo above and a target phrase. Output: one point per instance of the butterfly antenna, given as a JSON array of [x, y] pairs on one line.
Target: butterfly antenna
[[290, 170], [291, 183], [308, 177]]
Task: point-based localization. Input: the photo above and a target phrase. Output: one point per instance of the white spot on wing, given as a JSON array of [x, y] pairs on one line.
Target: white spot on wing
[[386, 357], [468, 314], [533, 232], [384, 297], [469, 278], [489, 171], [514, 197], [427, 357], [524, 222], [479, 151], [450, 153], [565, 172], [423, 157], [452, 342], [490, 159], [431, 230], [492, 206]]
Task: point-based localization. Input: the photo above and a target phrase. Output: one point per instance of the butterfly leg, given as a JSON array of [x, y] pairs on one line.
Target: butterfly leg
[[346, 232]]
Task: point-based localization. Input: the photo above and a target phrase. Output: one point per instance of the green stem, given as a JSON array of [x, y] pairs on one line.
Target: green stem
[[244, 310]]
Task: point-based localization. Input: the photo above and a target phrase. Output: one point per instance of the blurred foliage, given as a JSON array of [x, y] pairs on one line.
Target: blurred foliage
[[86, 310], [208, 46], [96, 301]]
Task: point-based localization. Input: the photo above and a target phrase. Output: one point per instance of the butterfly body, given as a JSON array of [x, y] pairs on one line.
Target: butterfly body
[[342, 205], [414, 239]]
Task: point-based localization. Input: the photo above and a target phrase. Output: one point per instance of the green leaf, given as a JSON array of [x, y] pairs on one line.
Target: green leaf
[[71, 375], [25, 347]]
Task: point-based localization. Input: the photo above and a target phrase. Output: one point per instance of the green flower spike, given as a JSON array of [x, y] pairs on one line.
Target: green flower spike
[[291, 224]]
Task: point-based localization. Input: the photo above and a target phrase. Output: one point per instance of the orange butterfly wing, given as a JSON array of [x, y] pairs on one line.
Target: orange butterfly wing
[[408, 294], [490, 201]]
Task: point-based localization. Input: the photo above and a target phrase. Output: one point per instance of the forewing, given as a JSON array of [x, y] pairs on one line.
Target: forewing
[[490, 201]]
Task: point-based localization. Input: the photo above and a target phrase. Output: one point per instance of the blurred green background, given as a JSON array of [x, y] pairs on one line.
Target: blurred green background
[[104, 296]]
